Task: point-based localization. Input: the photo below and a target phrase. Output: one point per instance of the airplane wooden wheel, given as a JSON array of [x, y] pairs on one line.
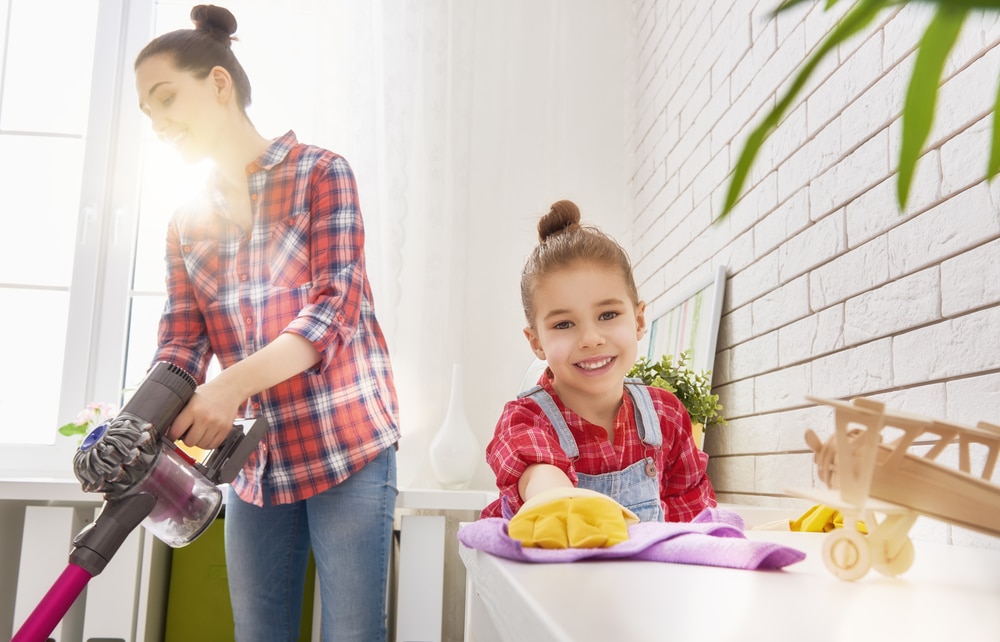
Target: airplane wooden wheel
[[888, 564], [846, 554]]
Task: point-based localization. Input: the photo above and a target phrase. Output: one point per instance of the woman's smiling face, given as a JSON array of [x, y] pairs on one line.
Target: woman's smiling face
[[185, 110], [586, 327]]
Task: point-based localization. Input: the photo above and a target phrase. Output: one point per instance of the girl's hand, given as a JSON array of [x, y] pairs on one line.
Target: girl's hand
[[571, 518], [538, 478]]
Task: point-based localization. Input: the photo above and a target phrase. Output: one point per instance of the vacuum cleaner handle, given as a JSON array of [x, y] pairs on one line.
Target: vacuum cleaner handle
[[161, 396], [226, 460]]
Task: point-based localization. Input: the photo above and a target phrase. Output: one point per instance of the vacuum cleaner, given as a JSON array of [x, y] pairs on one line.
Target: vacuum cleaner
[[146, 480]]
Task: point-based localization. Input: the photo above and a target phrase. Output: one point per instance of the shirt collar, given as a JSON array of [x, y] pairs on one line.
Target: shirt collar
[[545, 381], [274, 154]]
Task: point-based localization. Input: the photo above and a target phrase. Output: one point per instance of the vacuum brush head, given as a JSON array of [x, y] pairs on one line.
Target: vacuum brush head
[[116, 456]]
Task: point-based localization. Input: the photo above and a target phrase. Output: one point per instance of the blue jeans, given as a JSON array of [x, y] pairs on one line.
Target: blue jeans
[[349, 528]]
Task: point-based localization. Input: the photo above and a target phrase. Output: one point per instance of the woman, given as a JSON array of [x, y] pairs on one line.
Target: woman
[[267, 272]]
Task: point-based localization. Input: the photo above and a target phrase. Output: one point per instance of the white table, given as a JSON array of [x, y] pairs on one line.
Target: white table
[[950, 593]]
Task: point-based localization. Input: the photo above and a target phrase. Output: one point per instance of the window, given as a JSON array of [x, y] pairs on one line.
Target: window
[[43, 132], [68, 147]]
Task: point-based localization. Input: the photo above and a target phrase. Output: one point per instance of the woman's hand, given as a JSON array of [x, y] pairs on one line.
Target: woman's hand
[[208, 417]]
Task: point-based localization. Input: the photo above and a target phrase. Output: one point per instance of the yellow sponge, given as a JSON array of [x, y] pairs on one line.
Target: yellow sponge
[[822, 519]]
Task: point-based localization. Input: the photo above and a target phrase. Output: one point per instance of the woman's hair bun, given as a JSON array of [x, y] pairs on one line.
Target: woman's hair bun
[[561, 216], [218, 22]]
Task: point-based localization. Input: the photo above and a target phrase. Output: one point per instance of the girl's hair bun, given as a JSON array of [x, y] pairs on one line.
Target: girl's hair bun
[[217, 22], [562, 216]]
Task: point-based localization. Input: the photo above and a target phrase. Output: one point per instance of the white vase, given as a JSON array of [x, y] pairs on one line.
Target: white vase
[[454, 451]]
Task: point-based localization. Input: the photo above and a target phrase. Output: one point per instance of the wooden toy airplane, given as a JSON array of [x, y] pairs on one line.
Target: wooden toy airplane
[[888, 484]]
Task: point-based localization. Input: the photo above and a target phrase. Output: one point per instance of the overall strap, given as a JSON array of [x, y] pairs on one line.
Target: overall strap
[[548, 406], [646, 421]]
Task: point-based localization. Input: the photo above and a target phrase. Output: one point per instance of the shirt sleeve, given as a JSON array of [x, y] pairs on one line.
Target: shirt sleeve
[[181, 337], [685, 488], [523, 437], [337, 264]]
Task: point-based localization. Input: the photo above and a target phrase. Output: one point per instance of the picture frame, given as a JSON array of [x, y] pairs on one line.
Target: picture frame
[[690, 323]]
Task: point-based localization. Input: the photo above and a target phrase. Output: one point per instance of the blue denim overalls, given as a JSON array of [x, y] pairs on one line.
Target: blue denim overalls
[[637, 487]]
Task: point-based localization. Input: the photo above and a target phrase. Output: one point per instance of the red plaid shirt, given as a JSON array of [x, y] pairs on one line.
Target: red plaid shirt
[[524, 436], [301, 269]]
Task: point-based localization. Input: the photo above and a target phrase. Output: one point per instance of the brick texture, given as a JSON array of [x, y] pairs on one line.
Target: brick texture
[[832, 291]]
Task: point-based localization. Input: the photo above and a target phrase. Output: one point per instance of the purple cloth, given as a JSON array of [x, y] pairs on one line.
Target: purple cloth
[[714, 538]]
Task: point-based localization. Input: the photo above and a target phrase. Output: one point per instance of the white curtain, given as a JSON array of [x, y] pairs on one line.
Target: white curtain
[[463, 120]]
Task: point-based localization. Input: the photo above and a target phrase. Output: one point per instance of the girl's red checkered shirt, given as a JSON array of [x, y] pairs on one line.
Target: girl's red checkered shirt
[[524, 436]]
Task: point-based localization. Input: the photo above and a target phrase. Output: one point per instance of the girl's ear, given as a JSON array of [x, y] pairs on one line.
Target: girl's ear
[[640, 320], [222, 82], [536, 347]]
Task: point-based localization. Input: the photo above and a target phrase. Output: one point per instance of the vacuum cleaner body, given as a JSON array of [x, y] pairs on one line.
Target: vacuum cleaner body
[[146, 480], [130, 461]]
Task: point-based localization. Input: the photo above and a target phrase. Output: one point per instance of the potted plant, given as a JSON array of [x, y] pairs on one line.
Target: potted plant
[[95, 414], [693, 389]]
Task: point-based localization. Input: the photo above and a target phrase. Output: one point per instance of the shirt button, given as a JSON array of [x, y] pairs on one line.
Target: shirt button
[[249, 320], [186, 248], [243, 277], [253, 197]]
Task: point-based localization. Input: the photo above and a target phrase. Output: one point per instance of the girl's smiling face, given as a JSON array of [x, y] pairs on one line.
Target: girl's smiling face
[[587, 328]]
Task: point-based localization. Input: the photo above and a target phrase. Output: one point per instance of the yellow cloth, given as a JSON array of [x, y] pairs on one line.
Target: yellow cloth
[[571, 518], [822, 519]]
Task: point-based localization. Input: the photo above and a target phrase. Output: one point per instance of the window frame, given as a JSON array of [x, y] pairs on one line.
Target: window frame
[[100, 288]]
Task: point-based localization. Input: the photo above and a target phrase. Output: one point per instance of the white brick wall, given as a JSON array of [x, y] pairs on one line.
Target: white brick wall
[[831, 291]]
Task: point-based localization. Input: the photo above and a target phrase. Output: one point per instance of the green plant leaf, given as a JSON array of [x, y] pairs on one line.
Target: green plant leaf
[[72, 429], [784, 5], [692, 389], [856, 19], [921, 95], [993, 167]]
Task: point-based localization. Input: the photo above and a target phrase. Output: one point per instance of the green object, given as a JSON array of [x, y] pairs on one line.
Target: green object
[[198, 606], [693, 389], [938, 39]]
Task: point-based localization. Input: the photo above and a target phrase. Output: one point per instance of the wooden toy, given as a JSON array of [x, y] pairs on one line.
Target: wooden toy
[[881, 467]]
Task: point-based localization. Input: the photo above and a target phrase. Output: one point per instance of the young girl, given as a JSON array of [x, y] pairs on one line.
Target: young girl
[[267, 272], [584, 425]]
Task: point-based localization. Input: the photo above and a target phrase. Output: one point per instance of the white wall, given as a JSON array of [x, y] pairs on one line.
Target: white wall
[[463, 122], [832, 291], [550, 122]]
